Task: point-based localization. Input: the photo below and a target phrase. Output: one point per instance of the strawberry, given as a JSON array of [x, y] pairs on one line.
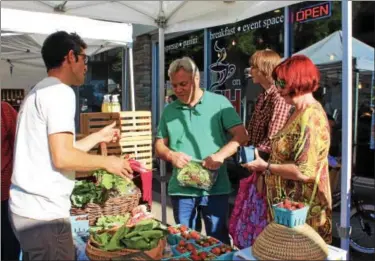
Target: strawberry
[[287, 202], [182, 243], [195, 257], [216, 251], [203, 255], [300, 205], [195, 235], [183, 228], [190, 247]]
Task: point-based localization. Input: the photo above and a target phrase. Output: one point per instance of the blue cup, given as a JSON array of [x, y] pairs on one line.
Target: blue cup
[[246, 154]]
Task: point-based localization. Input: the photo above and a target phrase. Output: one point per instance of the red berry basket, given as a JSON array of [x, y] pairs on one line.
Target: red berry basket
[[290, 214]]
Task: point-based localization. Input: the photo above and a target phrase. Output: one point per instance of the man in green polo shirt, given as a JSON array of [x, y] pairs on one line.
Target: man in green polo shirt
[[196, 126]]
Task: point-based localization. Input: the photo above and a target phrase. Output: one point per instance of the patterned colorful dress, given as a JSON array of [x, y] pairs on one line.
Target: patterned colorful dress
[[305, 142]]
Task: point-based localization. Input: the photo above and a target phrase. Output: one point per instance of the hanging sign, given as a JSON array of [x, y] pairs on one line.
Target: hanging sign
[[314, 12]]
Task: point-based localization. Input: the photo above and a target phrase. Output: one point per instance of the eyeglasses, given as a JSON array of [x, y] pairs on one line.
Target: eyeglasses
[[280, 84], [85, 58]]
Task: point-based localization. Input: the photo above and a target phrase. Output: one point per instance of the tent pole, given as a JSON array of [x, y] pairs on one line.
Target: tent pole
[[347, 102], [355, 136], [287, 32], [131, 77], [161, 108], [124, 79]]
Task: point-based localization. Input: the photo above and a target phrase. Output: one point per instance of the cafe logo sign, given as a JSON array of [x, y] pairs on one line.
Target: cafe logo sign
[[221, 69], [314, 12]]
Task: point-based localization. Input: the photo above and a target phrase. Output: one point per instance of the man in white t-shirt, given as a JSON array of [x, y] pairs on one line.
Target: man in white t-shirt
[[47, 155]]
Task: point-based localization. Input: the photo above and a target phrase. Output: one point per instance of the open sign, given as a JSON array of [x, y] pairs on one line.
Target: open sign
[[314, 12]]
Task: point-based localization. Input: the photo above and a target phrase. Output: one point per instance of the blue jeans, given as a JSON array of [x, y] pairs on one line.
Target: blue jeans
[[214, 210]]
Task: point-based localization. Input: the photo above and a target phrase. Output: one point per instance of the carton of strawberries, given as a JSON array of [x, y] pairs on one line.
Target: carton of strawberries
[[207, 241], [290, 205], [177, 229], [176, 233], [202, 256], [189, 235], [221, 250], [184, 247], [290, 213]]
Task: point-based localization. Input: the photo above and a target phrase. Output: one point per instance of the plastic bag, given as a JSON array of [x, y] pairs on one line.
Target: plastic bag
[[196, 176]]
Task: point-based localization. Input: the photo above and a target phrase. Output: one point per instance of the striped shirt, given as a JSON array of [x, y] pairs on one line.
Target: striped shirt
[[270, 115]]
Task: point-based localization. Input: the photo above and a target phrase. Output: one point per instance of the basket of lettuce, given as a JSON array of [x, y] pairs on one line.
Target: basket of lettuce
[[110, 195], [196, 176], [147, 235]]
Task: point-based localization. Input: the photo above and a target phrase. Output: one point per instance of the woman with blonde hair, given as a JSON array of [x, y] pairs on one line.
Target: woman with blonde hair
[[249, 216], [271, 111]]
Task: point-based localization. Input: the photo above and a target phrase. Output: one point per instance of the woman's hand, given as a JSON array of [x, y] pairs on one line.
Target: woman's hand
[[109, 133], [257, 165]]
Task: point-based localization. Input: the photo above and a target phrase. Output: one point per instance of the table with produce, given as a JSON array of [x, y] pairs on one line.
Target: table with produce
[[111, 222]]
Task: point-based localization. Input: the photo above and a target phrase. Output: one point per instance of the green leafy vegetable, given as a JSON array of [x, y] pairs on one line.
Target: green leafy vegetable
[[124, 186], [195, 175], [143, 236], [108, 222], [86, 192]]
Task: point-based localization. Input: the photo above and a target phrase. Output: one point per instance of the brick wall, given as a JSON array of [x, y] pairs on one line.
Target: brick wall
[[142, 54]]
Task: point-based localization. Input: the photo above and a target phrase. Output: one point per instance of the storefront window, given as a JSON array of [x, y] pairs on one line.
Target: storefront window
[[231, 47], [316, 32], [103, 77], [190, 45], [312, 21]]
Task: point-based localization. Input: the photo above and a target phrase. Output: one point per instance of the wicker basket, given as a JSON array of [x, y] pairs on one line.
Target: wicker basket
[[94, 253], [113, 206], [278, 242]]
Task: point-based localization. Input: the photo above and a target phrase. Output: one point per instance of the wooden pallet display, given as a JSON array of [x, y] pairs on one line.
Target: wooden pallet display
[[135, 128]]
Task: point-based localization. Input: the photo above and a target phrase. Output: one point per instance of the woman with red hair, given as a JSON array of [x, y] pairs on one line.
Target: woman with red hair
[[298, 165]]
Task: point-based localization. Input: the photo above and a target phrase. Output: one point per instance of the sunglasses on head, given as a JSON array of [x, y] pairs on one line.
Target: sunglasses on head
[[280, 84]]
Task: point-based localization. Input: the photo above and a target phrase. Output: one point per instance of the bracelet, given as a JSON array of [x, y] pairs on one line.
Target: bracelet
[[267, 171]]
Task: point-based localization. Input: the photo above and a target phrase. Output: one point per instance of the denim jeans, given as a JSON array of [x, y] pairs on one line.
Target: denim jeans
[[214, 210]]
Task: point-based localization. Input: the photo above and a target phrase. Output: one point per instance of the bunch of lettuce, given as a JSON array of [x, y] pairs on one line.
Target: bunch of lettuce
[[115, 185], [86, 192], [108, 222], [108, 186], [196, 176]]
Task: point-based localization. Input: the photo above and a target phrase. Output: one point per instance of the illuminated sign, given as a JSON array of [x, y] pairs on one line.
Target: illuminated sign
[[236, 102], [314, 12]]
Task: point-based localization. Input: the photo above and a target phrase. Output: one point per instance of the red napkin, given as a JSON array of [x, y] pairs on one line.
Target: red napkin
[[146, 177]]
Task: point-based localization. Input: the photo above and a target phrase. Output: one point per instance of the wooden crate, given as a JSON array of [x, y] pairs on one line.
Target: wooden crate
[[136, 133]]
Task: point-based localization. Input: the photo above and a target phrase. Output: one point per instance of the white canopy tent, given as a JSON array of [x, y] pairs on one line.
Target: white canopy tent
[[168, 16], [173, 16], [21, 42]]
